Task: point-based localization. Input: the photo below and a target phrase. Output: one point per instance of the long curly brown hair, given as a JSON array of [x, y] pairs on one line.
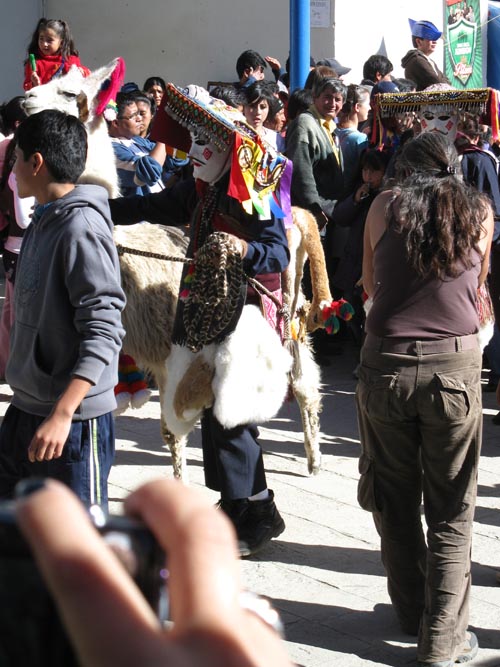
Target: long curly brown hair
[[440, 215]]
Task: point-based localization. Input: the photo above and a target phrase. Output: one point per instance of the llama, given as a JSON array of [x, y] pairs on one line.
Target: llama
[[85, 98], [151, 285]]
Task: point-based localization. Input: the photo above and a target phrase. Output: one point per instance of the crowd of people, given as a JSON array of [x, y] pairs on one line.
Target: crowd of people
[[408, 207]]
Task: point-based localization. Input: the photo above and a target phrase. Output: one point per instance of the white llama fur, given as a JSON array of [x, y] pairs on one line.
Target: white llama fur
[[152, 285]]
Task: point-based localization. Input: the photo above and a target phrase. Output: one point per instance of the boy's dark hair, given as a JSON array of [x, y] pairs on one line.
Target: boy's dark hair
[[298, 102], [376, 63], [249, 59], [59, 138], [61, 28]]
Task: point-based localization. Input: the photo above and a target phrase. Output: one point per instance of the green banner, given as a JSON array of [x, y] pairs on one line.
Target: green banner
[[464, 48]]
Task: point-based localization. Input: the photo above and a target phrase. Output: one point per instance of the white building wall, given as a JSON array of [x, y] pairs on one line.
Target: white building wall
[[19, 19], [194, 41]]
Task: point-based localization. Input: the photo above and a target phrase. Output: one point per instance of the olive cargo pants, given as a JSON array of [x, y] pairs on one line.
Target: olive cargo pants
[[420, 421]]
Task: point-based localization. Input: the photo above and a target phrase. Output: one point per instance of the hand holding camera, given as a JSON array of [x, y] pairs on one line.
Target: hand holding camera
[[105, 614]]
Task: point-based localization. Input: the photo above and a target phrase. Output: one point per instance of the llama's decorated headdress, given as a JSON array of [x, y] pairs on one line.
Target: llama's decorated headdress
[[260, 177], [110, 87], [484, 101]]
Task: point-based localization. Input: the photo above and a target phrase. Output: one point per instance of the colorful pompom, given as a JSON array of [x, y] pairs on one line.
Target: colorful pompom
[[333, 311]]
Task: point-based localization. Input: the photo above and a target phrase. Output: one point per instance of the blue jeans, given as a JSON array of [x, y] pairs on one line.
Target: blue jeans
[[420, 422]]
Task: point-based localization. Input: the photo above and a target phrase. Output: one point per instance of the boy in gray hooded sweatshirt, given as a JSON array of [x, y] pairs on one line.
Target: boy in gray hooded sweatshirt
[[67, 331]]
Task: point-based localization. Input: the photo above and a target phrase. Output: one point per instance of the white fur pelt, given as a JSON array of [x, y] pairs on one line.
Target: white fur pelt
[[250, 380], [178, 361], [251, 372]]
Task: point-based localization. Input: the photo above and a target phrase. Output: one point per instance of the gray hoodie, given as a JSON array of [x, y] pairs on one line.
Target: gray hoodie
[[68, 306]]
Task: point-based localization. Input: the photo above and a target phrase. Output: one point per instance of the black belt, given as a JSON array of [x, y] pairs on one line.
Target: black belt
[[409, 346]]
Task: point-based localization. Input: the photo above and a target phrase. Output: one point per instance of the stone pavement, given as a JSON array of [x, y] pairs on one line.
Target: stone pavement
[[324, 572]]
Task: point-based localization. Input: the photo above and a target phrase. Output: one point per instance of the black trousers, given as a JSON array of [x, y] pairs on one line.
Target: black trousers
[[232, 458]]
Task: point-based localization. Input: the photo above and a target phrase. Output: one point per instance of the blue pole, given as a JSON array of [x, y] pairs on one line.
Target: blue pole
[[300, 42]]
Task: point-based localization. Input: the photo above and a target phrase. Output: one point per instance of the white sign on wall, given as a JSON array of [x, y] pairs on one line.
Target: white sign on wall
[[320, 14]]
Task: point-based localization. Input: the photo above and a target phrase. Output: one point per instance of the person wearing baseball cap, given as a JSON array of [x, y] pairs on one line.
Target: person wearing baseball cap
[[418, 64]]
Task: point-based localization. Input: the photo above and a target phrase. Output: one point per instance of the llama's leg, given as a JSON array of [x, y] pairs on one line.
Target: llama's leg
[[306, 388], [176, 446], [309, 411]]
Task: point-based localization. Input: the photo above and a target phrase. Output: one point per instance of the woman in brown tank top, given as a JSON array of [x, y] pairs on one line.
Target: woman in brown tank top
[[426, 252]]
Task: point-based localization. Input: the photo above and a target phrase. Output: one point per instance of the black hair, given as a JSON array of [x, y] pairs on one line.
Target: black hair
[[405, 85], [374, 159], [61, 28], [249, 59], [154, 81], [377, 63], [123, 100], [470, 126], [12, 113], [129, 87], [232, 96], [272, 87], [275, 106], [257, 91], [142, 96], [60, 139], [298, 102]]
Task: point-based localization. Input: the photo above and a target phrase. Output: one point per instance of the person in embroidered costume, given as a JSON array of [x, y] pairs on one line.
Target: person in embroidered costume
[[51, 53], [240, 211]]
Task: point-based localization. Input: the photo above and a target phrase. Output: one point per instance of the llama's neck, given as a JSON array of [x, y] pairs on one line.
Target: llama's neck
[[100, 168]]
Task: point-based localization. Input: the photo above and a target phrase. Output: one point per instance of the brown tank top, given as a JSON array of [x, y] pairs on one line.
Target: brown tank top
[[408, 306]]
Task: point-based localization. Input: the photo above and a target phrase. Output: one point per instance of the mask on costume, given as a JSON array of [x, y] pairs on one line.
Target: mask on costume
[[438, 109], [438, 119], [209, 162], [218, 140]]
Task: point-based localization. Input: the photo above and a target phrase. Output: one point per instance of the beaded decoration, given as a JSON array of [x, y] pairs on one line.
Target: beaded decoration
[[260, 176], [216, 124], [474, 100]]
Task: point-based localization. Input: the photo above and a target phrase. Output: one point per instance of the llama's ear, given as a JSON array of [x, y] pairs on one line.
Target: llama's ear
[[111, 83], [83, 107]]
